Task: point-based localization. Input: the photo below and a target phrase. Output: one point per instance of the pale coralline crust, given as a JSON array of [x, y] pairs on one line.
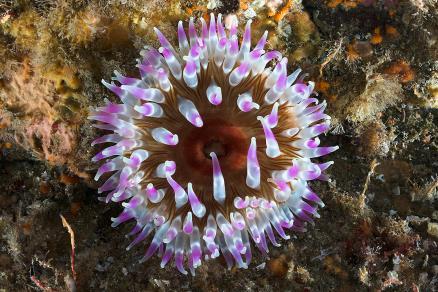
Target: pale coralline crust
[[37, 125], [27, 93], [381, 91]]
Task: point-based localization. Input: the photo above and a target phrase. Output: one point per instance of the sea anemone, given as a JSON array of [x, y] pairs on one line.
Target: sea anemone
[[211, 148]]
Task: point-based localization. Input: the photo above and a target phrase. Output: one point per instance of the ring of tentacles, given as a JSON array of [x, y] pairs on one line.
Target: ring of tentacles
[[210, 149]]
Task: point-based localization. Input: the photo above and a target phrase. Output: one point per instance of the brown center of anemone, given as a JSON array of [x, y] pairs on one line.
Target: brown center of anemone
[[228, 141], [227, 132], [217, 147]]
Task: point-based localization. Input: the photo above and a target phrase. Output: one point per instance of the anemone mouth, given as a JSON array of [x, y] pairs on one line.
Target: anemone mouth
[[212, 147], [228, 141], [218, 146]]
